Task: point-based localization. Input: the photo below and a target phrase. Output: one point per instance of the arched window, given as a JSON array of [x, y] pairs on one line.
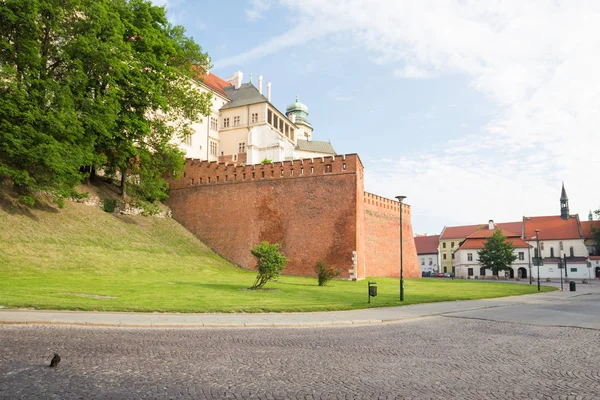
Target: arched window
[[482, 271], [572, 252], [551, 251]]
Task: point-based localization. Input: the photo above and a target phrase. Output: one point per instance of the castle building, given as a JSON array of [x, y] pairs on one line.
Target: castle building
[[254, 173], [245, 127]]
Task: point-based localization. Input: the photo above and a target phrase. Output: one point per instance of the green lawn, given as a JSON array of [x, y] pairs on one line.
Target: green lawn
[[81, 258]]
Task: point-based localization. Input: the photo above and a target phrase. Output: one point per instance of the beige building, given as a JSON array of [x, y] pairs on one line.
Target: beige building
[[452, 236], [245, 127]]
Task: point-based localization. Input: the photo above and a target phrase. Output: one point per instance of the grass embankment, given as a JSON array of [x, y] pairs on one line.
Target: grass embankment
[[81, 258]]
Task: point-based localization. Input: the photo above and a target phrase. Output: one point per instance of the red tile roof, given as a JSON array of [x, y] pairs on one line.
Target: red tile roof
[[427, 244], [485, 232], [586, 228], [458, 232], [594, 257], [479, 243], [212, 81], [552, 227]]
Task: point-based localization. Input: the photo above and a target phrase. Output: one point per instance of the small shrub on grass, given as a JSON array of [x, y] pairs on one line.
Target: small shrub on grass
[[269, 263], [325, 272], [110, 205], [148, 208]]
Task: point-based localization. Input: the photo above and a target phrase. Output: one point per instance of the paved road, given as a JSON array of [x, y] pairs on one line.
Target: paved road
[[518, 351]]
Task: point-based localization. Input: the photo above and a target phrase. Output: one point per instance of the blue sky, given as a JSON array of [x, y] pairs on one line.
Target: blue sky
[[474, 110]]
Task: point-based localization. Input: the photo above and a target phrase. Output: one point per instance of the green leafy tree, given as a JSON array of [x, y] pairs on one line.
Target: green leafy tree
[[596, 233], [43, 141], [269, 263], [497, 253], [88, 84]]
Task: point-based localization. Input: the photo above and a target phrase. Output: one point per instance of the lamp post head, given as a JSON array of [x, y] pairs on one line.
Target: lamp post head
[[400, 198]]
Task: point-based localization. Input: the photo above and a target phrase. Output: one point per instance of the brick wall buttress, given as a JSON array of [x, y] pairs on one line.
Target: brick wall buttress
[[382, 238]]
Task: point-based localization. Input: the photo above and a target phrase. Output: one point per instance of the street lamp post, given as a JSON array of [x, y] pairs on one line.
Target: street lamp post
[[589, 265], [400, 199], [560, 268], [539, 257], [529, 258]]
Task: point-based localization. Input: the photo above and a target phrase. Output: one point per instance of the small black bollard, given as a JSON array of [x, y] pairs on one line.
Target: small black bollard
[[372, 290]]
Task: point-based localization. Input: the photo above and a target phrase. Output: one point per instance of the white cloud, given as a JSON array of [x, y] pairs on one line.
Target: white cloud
[[536, 60], [257, 9], [413, 72]]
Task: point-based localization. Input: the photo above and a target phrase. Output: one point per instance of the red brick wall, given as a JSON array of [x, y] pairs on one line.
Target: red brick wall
[[382, 239], [310, 206]]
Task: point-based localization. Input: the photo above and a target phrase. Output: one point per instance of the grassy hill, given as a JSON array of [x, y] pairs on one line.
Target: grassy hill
[[83, 258]]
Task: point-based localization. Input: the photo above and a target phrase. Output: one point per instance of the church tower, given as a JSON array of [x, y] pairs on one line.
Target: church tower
[[564, 203]]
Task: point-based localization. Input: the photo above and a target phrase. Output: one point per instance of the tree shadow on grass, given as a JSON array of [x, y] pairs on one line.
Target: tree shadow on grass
[[10, 203]]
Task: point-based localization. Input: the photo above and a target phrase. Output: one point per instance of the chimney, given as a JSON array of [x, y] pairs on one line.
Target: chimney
[[491, 225], [235, 79], [260, 84], [269, 91]]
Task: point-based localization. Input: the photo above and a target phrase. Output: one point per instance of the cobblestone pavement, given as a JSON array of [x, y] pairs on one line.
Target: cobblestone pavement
[[431, 358]]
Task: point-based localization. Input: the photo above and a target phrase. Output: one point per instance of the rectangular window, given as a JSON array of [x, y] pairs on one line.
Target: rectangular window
[[213, 148], [422, 262], [444, 256], [213, 123], [469, 256], [573, 269], [445, 269], [188, 139], [453, 256], [225, 122], [521, 255], [242, 147], [452, 244], [236, 121], [444, 245], [254, 118], [470, 271]]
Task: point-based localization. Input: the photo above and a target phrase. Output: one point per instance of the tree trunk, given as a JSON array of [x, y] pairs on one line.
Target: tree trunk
[[123, 182]]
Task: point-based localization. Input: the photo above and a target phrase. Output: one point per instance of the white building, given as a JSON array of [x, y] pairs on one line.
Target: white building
[[562, 239], [466, 257], [244, 127], [427, 253]]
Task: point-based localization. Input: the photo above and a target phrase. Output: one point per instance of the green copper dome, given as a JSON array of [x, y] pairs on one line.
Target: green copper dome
[[301, 111], [297, 106]]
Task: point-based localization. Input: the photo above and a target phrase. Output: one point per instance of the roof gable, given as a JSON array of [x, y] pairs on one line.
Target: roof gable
[[586, 228], [211, 80], [246, 95], [315, 146], [427, 244], [479, 243], [459, 232], [552, 227]]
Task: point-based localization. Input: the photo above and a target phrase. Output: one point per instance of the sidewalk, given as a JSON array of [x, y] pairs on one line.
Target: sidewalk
[[280, 320]]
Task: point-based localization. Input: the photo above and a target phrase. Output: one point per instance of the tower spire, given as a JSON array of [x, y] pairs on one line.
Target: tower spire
[[564, 203]]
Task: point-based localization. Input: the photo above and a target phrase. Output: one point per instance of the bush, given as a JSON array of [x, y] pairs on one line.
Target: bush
[[148, 208], [269, 263], [110, 205], [325, 272]]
